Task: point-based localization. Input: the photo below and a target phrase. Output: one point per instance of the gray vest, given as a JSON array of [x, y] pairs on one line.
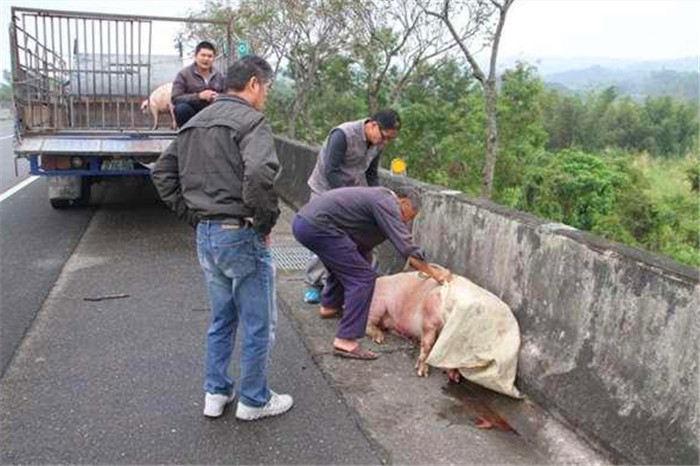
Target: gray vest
[[358, 158]]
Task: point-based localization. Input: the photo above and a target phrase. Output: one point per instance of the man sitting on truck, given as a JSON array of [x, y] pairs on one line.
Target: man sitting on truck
[[197, 85]]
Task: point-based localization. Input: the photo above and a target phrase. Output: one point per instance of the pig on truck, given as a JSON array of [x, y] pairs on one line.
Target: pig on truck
[[78, 83]]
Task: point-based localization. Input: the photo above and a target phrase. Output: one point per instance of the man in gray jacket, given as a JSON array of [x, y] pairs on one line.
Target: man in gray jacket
[[219, 175], [349, 157], [197, 85]]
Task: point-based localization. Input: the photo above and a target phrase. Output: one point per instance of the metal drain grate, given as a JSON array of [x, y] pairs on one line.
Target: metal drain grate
[[291, 257]]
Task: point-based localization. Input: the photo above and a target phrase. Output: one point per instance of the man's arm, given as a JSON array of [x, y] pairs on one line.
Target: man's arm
[[372, 173], [260, 170], [387, 215], [179, 93], [388, 218], [335, 157], [166, 179]]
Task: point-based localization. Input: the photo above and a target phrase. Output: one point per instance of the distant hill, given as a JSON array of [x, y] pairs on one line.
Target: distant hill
[[635, 81], [678, 77], [553, 65]]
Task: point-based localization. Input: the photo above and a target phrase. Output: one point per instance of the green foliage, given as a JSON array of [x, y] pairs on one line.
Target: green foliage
[[692, 174], [613, 195], [443, 123], [522, 133], [336, 99], [571, 187], [661, 125]]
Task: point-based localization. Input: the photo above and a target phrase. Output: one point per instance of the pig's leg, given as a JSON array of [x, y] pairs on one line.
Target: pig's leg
[[154, 113], [375, 333], [432, 324], [171, 109], [453, 375], [376, 312], [427, 341]]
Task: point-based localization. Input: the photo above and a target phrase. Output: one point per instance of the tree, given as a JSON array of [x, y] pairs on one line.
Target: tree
[[442, 126], [315, 31], [390, 47], [522, 133], [480, 17]]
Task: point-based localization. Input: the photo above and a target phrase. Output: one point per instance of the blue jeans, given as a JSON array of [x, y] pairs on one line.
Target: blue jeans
[[239, 273], [184, 111]]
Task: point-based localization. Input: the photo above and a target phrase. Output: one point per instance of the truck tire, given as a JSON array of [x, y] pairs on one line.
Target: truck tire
[[60, 203], [65, 192]]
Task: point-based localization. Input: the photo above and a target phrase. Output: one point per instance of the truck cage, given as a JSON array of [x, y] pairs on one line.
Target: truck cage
[[78, 80]]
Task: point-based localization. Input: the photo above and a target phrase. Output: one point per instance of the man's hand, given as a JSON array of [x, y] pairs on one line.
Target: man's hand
[[208, 95], [441, 275], [267, 241]]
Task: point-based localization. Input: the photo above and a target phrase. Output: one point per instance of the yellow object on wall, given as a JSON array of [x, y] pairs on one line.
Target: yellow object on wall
[[398, 167]]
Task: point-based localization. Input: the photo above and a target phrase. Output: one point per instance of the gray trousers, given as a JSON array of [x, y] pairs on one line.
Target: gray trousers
[[316, 274]]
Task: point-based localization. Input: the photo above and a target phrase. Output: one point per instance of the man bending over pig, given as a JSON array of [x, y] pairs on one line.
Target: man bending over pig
[[341, 227]]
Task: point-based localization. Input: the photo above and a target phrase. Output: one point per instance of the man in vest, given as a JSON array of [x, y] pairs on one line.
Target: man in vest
[[349, 157]]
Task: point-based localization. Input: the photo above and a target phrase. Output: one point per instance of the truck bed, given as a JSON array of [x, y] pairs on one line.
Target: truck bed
[[113, 144]]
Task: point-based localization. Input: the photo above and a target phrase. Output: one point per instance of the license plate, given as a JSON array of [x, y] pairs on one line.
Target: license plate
[[117, 164]]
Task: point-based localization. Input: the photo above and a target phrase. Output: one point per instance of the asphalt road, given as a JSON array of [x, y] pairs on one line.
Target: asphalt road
[[119, 381], [35, 242], [8, 177]]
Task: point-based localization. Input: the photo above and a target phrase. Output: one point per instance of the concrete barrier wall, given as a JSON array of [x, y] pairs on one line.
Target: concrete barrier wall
[[609, 333]]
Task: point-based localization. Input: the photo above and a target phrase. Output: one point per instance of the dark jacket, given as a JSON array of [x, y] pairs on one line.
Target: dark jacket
[[221, 166], [188, 83]]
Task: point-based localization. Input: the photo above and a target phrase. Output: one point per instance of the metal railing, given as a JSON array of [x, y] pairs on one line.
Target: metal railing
[[85, 71]]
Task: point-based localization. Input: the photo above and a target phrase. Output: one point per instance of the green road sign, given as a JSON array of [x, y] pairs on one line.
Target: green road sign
[[243, 48]]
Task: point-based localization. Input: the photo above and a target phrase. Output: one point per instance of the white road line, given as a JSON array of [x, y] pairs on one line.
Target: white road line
[[17, 187], [5, 137]]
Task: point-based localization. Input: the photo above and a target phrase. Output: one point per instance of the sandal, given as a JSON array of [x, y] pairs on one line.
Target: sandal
[[358, 352]]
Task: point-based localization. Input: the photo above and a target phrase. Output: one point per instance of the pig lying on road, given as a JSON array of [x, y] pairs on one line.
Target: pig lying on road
[[462, 328], [159, 102]]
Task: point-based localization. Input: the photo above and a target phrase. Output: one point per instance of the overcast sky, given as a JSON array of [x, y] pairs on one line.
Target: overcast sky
[[630, 29]]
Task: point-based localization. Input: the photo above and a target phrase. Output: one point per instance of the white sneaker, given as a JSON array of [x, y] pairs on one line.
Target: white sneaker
[[278, 404], [214, 404]]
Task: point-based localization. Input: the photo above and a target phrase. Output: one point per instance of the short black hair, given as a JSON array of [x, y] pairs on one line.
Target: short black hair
[[240, 72], [205, 45], [387, 119], [410, 193]]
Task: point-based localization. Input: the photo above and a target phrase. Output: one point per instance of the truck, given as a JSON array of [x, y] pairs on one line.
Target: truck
[[78, 82]]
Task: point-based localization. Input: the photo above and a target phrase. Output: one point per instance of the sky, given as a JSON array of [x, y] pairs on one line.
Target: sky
[[621, 29], [630, 29]]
